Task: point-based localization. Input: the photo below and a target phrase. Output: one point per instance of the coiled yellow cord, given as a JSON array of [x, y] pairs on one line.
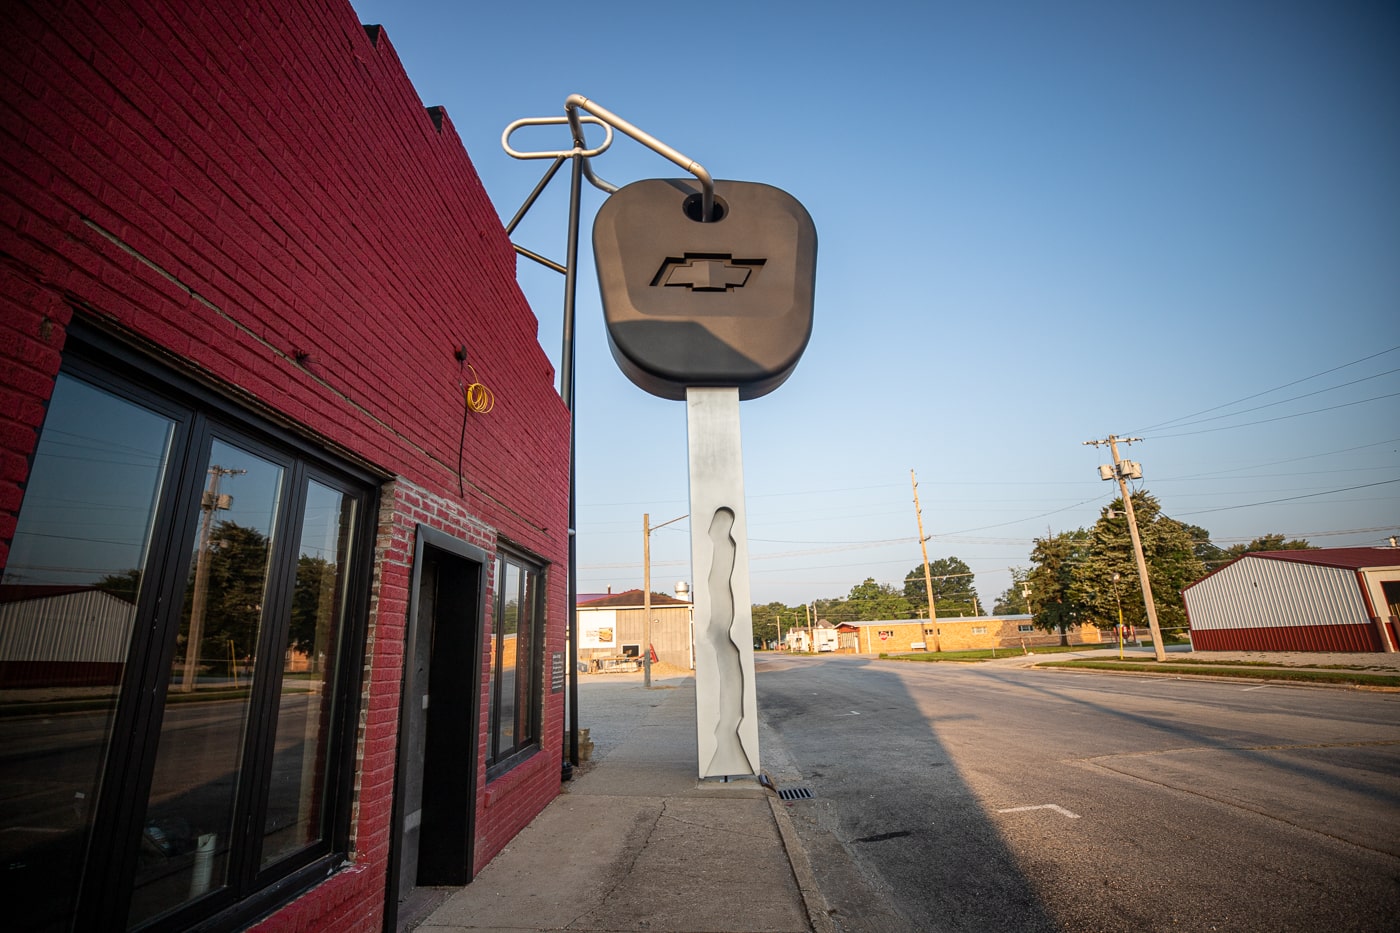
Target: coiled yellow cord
[[479, 398]]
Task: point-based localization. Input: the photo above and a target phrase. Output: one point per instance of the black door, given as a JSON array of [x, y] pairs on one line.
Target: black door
[[434, 803]]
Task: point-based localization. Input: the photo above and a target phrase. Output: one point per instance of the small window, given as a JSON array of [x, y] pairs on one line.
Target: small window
[[1025, 628], [631, 651], [979, 630]]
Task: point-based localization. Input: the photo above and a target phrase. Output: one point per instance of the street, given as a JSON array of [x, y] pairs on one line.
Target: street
[[978, 797]]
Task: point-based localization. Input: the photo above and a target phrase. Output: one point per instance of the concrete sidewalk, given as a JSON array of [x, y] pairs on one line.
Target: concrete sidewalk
[[637, 842]]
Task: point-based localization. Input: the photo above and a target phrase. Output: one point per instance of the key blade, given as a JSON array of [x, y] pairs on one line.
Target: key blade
[[726, 707]]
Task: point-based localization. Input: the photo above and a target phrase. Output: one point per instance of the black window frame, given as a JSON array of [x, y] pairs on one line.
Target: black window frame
[[202, 414], [499, 761]]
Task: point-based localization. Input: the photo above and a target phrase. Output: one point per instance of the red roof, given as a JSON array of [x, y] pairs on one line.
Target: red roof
[[20, 592], [1348, 558], [632, 599]]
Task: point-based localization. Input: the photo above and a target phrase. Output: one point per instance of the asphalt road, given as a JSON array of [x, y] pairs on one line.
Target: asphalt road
[[986, 797]]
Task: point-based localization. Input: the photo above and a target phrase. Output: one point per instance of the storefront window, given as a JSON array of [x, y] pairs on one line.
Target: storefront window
[[306, 701], [180, 618], [186, 835], [67, 608]]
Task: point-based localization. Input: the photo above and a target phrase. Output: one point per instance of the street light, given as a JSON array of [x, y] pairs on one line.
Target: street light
[[1119, 603], [647, 529]]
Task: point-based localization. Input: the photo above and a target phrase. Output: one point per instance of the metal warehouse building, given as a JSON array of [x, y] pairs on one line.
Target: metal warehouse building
[[1328, 599]]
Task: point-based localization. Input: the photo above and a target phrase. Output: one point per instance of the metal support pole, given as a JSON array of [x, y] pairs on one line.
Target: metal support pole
[[566, 390]]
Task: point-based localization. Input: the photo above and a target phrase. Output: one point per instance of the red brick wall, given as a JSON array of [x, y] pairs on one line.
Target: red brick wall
[[254, 192]]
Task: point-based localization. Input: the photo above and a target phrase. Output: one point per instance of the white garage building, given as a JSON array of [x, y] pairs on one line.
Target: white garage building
[[1326, 599]]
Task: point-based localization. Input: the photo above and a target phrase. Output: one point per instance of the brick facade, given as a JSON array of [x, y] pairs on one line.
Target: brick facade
[[253, 195]]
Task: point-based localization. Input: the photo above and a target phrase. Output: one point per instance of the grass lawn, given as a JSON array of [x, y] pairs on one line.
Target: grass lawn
[[986, 654], [1250, 672]]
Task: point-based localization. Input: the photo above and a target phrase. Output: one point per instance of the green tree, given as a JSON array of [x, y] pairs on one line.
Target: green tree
[[314, 608], [1209, 553], [1169, 548], [953, 592], [869, 600], [1271, 542], [1013, 600], [1055, 601], [766, 618], [124, 585], [238, 558]]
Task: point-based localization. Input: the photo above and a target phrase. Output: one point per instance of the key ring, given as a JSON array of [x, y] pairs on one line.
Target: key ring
[[578, 150]]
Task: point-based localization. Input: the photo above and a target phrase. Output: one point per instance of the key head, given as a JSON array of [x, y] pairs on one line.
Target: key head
[[727, 302]]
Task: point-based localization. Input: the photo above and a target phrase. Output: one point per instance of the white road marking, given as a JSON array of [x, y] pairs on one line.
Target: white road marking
[[1260, 687], [1044, 806], [854, 713]]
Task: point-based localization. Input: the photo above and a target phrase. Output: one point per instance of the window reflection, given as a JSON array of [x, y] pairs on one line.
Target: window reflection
[[509, 628], [516, 662], [526, 657], [186, 831], [293, 818], [67, 606]]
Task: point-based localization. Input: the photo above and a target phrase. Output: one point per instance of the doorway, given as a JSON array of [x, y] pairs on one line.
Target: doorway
[[435, 792]]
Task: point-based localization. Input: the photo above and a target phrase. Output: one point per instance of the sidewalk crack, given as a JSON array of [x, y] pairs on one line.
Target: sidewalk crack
[[623, 875], [717, 829]]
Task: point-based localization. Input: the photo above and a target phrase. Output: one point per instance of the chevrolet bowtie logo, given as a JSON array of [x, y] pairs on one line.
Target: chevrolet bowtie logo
[[706, 273]]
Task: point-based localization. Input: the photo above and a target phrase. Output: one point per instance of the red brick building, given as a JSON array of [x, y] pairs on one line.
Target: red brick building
[[247, 524]]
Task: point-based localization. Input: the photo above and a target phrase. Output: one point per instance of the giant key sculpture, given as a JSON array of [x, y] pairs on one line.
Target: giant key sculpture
[[707, 290]]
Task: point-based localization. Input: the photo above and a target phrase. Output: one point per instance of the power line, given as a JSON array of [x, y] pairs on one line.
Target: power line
[[1255, 466], [1311, 495], [1314, 411], [1018, 521], [1247, 398], [1284, 401]]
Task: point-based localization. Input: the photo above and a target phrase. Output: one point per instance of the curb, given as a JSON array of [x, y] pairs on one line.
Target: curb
[[812, 899]]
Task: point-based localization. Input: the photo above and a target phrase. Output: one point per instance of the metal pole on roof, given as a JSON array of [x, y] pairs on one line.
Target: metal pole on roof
[[566, 389], [579, 157]]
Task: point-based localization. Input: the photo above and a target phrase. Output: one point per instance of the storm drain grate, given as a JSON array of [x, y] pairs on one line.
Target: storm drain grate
[[795, 793]]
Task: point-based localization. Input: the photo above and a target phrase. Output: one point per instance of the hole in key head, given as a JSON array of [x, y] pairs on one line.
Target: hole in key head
[[693, 209]]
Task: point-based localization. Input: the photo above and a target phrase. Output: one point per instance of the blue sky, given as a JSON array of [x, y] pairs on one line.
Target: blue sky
[[1039, 224]]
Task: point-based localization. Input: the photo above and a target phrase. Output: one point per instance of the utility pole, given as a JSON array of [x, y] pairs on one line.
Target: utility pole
[[646, 599], [210, 503], [646, 592], [928, 579], [1121, 470]]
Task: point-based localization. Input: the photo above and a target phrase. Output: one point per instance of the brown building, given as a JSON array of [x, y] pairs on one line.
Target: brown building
[[613, 626], [901, 636]]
